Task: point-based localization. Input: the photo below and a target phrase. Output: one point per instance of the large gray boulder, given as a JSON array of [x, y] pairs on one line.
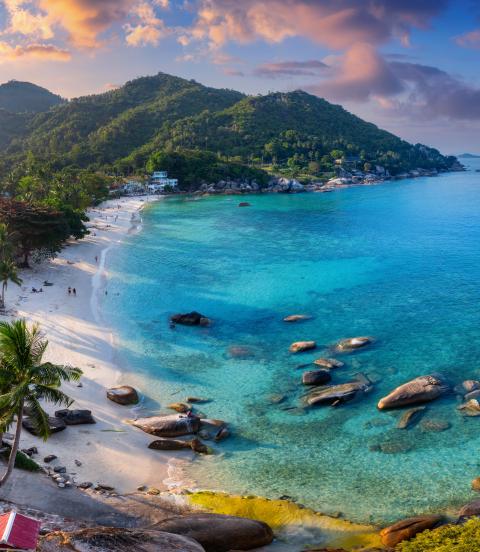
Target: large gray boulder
[[219, 533], [173, 425], [316, 377], [420, 390], [107, 539]]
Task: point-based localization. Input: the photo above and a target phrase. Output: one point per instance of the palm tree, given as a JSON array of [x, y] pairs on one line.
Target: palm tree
[[25, 380], [8, 273]]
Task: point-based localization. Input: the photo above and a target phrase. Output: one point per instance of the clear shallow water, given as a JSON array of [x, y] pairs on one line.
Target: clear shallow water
[[400, 261]]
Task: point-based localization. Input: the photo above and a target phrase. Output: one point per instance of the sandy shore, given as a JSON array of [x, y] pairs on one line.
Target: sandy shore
[[111, 451]]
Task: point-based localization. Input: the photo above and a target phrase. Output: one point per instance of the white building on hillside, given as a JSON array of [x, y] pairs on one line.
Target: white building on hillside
[[159, 181]]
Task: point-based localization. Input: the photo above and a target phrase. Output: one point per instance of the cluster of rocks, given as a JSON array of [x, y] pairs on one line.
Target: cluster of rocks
[[188, 533], [60, 420], [193, 318], [230, 186]]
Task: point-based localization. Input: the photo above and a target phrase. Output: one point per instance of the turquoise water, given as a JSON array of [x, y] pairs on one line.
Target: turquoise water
[[400, 262]]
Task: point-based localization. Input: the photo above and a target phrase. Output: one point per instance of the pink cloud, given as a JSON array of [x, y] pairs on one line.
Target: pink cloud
[[469, 40], [33, 51]]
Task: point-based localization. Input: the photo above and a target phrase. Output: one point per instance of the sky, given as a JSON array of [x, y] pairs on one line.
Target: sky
[[410, 66]]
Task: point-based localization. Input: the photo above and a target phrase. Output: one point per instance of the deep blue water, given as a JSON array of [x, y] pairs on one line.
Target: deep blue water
[[399, 261]]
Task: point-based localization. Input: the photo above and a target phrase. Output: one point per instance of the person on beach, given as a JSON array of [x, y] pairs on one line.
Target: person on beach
[[74, 292], [69, 290], [96, 258]]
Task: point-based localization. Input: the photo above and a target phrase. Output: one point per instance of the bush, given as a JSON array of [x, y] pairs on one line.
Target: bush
[[22, 461], [450, 538]]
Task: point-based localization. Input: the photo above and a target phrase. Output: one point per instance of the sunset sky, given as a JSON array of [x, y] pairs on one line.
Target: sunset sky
[[411, 66]]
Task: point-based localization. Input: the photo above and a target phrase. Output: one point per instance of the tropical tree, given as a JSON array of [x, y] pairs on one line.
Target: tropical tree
[[25, 380], [8, 273]]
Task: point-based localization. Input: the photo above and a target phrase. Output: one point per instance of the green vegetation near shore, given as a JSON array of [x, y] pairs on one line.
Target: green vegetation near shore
[[450, 538]]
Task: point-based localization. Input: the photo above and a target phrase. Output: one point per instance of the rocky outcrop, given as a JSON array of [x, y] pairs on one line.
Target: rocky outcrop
[[470, 408], [190, 319], [75, 417], [219, 533], [55, 425], [420, 390], [470, 509], [124, 394], [407, 529], [174, 425], [106, 539], [301, 346], [352, 343], [316, 377]]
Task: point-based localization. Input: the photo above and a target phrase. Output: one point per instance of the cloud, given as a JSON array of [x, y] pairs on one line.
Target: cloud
[[24, 22], [290, 69], [335, 23], [400, 88], [35, 51], [361, 74], [233, 72], [149, 30], [469, 40]]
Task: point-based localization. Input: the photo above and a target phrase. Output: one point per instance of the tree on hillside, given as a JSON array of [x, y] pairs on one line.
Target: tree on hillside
[[25, 380], [36, 227], [8, 268]]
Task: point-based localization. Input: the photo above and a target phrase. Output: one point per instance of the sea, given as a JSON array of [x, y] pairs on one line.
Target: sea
[[399, 262]]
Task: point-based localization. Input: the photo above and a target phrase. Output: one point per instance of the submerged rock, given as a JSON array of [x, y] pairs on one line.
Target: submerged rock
[[173, 425], [467, 386], [329, 363], [353, 343], [244, 204], [169, 444], [476, 484], [410, 417], [220, 533], [420, 390], [408, 528], [190, 319], [75, 417], [55, 425], [435, 424], [297, 317], [124, 394], [107, 539], [301, 346], [240, 351], [316, 377]]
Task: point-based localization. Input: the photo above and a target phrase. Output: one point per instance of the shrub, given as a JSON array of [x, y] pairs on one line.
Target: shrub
[[450, 538]]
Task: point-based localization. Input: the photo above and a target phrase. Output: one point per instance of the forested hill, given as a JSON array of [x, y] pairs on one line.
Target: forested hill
[[122, 129], [24, 97]]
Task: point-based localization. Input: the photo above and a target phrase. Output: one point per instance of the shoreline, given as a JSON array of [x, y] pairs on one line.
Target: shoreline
[[79, 335]]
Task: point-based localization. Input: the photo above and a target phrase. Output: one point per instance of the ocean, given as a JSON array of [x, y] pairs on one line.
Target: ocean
[[398, 261]]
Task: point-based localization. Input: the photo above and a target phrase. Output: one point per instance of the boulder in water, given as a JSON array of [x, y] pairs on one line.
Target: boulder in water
[[75, 417], [337, 394], [180, 407], [169, 444], [190, 319], [240, 351], [301, 346], [297, 317], [407, 529], [470, 408], [220, 533], [420, 390], [174, 425], [328, 363], [353, 343], [435, 424], [470, 509], [124, 394], [244, 204], [316, 377]]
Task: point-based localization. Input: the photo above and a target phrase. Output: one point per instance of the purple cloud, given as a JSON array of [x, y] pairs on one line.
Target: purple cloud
[[290, 69]]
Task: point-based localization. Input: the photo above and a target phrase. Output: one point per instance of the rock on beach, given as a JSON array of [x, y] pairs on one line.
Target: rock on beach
[[407, 529], [301, 346], [124, 394], [174, 425]]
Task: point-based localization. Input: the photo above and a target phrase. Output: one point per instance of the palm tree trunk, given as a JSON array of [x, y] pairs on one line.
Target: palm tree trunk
[[2, 297], [16, 443]]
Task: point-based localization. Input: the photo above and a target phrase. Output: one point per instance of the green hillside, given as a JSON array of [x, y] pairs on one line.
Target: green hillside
[[204, 127], [24, 97]]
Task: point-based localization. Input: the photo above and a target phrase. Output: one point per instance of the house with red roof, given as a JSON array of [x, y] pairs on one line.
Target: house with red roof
[[18, 532]]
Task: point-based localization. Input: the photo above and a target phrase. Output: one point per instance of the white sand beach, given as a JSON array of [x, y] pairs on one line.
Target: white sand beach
[[111, 451]]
